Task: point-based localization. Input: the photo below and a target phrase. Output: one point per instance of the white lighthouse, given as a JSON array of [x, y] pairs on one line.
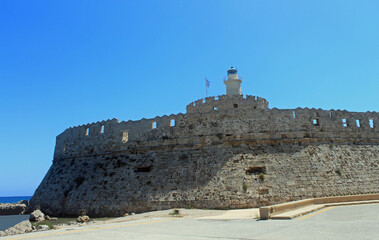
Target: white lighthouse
[[233, 83]]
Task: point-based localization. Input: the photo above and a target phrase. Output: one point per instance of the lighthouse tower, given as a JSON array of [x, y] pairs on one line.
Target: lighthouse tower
[[233, 83]]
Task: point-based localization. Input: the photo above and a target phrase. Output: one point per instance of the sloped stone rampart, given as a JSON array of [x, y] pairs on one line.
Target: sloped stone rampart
[[215, 177]]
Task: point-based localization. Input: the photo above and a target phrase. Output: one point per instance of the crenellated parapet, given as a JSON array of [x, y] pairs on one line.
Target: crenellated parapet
[[111, 135], [327, 124], [227, 103], [75, 140], [212, 119]]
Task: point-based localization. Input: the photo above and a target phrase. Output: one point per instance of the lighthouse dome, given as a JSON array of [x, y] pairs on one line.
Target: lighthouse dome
[[232, 71]]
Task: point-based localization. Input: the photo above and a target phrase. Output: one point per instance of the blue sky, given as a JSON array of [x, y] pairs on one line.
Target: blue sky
[[65, 63]]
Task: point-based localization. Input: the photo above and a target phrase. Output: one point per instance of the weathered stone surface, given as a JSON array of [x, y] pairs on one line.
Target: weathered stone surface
[[2, 234], [215, 178], [229, 152], [22, 227], [83, 219], [12, 208], [37, 216], [43, 228]]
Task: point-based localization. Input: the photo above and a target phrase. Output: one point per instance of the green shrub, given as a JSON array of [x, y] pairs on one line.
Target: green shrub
[[45, 222], [244, 187], [261, 177], [174, 212]]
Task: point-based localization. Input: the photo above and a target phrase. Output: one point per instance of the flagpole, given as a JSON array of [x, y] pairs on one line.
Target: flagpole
[[206, 87]]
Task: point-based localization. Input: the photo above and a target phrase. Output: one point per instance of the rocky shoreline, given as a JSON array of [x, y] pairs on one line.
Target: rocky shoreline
[[38, 221], [22, 227], [18, 208]]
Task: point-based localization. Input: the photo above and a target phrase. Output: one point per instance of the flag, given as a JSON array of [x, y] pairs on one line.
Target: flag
[[207, 83]]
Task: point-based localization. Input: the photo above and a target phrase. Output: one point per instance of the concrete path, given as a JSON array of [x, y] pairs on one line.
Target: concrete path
[[344, 222], [311, 208], [252, 213], [298, 212]]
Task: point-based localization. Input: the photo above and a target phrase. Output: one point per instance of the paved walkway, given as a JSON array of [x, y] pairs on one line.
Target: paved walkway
[[344, 222]]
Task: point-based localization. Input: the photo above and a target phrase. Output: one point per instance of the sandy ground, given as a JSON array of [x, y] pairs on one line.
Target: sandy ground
[[249, 213]]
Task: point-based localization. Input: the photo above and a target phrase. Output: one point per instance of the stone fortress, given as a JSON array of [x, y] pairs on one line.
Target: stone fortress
[[229, 151]]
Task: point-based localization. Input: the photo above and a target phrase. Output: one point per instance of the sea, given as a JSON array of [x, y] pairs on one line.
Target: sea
[[14, 199], [11, 220]]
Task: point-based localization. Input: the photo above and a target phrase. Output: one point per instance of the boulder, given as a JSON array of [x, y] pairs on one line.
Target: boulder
[[47, 217], [83, 219], [26, 202], [12, 208], [37, 216], [22, 227], [2, 234], [43, 228]]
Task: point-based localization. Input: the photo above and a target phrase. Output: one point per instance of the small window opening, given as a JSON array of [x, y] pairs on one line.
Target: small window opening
[[294, 114], [154, 125], [125, 137], [64, 147], [102, 129], [216, 98], [330, 114], [87, 131], [214, 108], [371, 123], [344, 122], [172, 122], [358, 122], [255, 170], [316, 122], [235, 105], [203, 100]]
